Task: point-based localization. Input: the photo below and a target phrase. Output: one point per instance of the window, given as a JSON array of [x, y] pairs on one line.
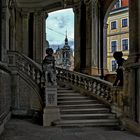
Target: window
[[114, 65], [118, 4], [125, 44], [124, 22], [113, 46], [113, 25]]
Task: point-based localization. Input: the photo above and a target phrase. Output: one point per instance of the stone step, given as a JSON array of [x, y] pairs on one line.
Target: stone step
[[69, 94], [79, 110], [84, 110], [64, 88], [71, 98], [86, 123], [87, 116], [77, 102], [98, 105], [65, 91]]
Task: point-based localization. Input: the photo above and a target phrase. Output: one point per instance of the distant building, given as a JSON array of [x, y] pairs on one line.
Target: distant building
[[117, 33], [64, 56]]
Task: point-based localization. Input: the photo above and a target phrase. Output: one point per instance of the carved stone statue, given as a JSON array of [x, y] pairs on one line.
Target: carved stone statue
[[48, 66], [120, 69]]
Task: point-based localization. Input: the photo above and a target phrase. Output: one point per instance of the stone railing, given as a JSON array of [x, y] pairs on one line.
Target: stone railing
[[94, 85], [101, 89], [30, 72], [27, 66]]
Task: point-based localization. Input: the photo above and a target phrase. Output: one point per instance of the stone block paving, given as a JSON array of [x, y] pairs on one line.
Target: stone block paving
[[17, 129]]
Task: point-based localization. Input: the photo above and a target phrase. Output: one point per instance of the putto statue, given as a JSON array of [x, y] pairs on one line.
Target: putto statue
[[48, 66], [119, 77]]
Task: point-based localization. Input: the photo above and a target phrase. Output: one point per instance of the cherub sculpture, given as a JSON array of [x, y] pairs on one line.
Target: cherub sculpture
[[48, 66]]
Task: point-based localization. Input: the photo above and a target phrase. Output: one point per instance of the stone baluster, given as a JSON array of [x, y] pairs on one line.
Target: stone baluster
[[33, 73], [98, 87], [38, 77], [23, 67], [28, 70], [85, 83]]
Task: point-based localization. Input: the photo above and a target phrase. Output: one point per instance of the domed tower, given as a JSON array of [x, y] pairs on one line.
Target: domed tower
[[64, 56], [66, 53]]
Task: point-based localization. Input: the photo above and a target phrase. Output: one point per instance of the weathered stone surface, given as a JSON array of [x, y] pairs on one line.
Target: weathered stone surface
[[50, 115], [5, 98]]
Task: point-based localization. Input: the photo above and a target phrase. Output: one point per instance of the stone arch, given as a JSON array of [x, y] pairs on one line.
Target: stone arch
[[107, 11], [110, 5]]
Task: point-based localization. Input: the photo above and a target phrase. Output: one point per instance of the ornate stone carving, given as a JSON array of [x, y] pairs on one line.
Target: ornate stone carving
[[76, 9], [25, 14], [48, 66], [11, 4]]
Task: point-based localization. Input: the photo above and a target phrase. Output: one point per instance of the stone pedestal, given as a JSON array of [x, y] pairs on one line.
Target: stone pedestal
[[51, 112]]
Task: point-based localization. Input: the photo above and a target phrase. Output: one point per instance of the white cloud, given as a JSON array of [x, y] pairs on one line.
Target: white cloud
[[57, 23]]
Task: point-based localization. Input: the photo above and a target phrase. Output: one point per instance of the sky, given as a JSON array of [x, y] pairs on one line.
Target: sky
[[57, 24]]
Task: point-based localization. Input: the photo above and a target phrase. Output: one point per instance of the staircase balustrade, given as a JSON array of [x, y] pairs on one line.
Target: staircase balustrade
[[25, 65], [96, 86], [27, 69]]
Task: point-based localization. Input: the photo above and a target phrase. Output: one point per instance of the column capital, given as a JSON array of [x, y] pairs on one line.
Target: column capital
[[87, 2], [46, 14], [76, 8], [11, 4], [24, 14], [95, 3]]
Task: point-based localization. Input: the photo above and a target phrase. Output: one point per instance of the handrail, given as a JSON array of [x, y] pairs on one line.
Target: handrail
[[4, 67], [94, 85], [25, 65]]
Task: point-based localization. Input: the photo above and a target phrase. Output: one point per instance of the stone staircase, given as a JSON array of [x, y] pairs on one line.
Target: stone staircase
[[79, 110]]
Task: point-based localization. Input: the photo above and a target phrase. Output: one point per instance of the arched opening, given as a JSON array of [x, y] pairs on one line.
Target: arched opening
[[116, 36], [60, 37]]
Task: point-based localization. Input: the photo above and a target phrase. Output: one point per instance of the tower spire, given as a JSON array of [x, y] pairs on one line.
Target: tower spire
[[66, 39]]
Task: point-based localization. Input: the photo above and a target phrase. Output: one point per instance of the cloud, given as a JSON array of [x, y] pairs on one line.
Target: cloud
[[62, 22], [57, 23]]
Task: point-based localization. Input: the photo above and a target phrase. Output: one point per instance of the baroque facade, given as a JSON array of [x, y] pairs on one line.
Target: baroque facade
[[22, 37], [64, 56], [117, 33]]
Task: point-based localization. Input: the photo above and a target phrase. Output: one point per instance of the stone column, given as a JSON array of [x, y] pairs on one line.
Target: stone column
[[88, 37], [18, 31], [5, 31], [45, 42], [12, 26], [83, 37], [0, 28], [95, 38], [105, 27], [77, 45], [25, 34], [38, 36], [132, 66]]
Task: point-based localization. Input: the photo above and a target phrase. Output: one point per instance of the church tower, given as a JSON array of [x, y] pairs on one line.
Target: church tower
[[64, 56]]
